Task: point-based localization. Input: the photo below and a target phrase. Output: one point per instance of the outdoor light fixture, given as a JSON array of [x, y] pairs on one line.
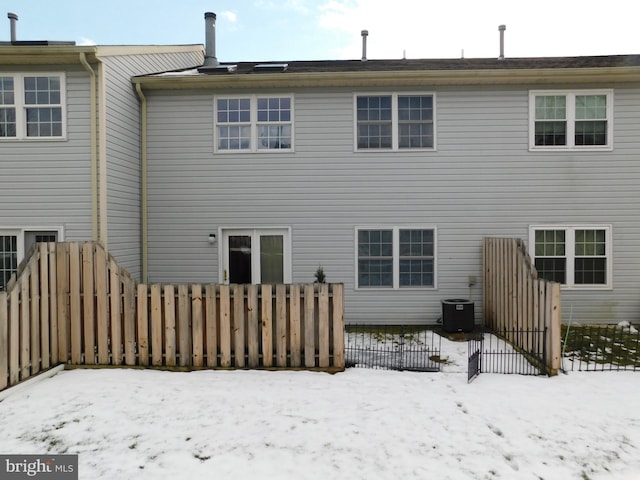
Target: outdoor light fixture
[[212, 238]]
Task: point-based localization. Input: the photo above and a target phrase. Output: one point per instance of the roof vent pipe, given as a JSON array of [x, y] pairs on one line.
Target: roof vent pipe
[[13, 18], [364, 34], [210, 59], [501, 28]]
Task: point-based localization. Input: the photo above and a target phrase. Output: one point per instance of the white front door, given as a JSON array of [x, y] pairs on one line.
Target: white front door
[[259, 255]]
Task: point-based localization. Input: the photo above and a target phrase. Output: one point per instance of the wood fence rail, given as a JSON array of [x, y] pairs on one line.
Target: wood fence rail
[[515, 299], [70, 303]]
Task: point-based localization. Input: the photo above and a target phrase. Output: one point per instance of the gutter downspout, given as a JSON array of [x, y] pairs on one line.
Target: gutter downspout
[[94, 146], [144, 216]]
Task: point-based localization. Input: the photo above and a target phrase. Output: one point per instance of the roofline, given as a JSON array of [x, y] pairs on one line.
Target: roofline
[[112, 50], [538, 76], [61, 54], [44, 54]]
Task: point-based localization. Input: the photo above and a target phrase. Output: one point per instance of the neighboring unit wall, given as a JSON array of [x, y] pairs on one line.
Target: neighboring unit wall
[[122, 148], [47, 183], [481, 181]]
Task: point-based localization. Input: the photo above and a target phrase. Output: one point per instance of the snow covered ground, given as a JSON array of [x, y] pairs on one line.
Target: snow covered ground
[[360, 424]]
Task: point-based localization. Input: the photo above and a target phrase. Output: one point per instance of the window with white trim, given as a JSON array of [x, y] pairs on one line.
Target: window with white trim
[[571, 120], [575, 256], [394, 122], [255, 123], [395, 257], [32, 106], [15, 244]]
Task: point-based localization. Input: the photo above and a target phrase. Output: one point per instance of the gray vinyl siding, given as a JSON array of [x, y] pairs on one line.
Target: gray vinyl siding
[[46, 183], [482, 181], [123, 148]]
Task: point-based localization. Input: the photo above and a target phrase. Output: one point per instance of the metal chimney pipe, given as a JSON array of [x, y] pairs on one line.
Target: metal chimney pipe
[[364, 34], [501, 28], [210, 59], [13, 18]]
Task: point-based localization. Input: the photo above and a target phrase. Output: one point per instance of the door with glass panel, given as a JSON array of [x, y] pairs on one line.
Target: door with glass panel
[[256, 256]]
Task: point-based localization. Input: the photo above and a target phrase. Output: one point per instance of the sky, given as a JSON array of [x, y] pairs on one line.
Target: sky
[[272, 30], [359, 424]]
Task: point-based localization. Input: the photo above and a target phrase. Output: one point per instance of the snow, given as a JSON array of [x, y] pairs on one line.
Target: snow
[[359, 424]]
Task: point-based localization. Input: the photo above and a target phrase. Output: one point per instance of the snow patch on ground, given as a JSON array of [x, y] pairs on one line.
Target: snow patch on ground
[[359, 424]]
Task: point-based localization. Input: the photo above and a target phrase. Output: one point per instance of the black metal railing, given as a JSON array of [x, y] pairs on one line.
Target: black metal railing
[[495, 352], [393, 347], [600, 347]]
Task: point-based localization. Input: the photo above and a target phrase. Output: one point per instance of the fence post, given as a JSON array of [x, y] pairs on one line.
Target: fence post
[[554, 331]]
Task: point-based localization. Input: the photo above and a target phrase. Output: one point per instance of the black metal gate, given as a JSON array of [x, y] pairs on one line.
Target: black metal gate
[[521, 352], [393, 347]]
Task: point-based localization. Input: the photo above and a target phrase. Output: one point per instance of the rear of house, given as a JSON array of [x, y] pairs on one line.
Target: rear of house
[[389, 174]]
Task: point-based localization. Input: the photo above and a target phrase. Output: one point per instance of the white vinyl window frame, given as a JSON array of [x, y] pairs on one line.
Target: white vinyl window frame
[[255, 234], [570, 253], [395, 122], [21, 106], [570, 96], [395, 229], [254, 124], [21, 232]]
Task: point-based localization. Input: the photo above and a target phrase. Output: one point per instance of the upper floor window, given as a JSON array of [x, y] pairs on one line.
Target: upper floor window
[[394, 121], [571, 120], [254, 123], [395, 257], [31, 106], [575, 256]]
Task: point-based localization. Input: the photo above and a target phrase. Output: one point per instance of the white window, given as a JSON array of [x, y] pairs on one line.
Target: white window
[[395, 257], [394, 121], [255, 123], [32, 106], [255, 255], [561, 120], [575, 256], [16, 243]]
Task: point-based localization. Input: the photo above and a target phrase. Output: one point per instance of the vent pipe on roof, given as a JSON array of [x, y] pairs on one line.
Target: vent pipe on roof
[[13, 18], [501, 28], [364, 34], [210, 59]]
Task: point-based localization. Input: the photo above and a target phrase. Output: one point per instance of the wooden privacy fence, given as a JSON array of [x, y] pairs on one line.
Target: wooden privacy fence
[[70, 303], [516, 300]]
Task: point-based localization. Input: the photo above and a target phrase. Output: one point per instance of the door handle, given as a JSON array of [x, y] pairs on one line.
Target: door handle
[[225, 275]]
